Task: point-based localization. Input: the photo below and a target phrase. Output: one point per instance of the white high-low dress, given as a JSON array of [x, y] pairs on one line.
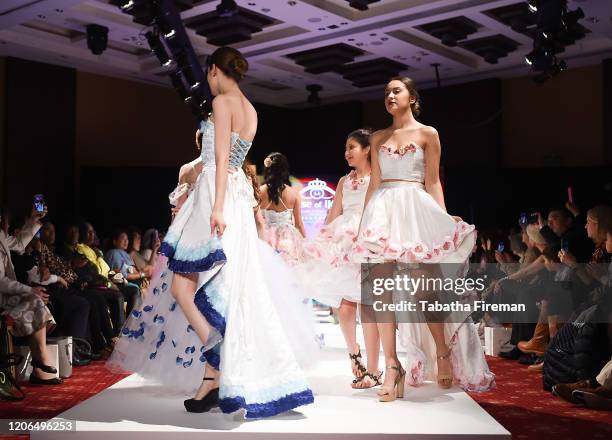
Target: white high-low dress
[[328, 270], [250, 343], [402, 222]]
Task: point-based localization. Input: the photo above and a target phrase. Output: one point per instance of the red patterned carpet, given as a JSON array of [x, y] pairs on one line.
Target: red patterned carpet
[[519, 403]]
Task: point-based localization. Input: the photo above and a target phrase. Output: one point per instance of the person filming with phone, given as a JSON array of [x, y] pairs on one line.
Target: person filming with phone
[[26, 305]]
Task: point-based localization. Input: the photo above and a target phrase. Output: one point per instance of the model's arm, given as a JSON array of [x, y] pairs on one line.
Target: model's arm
[[263, 196], [375, 179], [297, 213], [18, 243], [223, 128], [432, 166], [336, 208]]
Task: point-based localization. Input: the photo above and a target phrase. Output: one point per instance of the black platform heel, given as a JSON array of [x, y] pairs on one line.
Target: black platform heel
[[205, 404], [35, 380], [43, 367]]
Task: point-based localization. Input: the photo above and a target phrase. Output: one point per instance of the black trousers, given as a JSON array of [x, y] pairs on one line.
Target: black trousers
[[70, 310], [116, 305], [100, 325]]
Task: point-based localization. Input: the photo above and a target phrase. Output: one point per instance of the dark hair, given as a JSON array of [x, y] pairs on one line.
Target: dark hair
[[71, 223], [147, 238], [516, 244], [131, 233], [563, 211], [276, 175], [231, 62], [83, 226], [411, 87], [247, 168], [117, 232], [362, 136]]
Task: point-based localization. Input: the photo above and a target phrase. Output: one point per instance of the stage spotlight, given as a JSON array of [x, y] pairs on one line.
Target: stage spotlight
[[97, 38], [179, 86], [127, 5], [227, 8], [314, 97], [539, 59], [165, 28], [533, 6], [158, 49]]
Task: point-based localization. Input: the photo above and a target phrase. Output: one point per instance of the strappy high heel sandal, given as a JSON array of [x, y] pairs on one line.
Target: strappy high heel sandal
[[445, 381], [374, 377], [398, 385], [356, 359], [208, 402]]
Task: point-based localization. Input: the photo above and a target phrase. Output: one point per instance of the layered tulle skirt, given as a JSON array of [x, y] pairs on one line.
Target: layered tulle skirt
[[248, 342], [327, 269]]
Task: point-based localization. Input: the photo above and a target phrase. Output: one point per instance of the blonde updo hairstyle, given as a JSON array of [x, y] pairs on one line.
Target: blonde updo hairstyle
[[230, 61], [411, 87]]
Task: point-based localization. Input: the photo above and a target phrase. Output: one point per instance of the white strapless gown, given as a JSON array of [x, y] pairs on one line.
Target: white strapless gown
[[403, 223], [249, 343]]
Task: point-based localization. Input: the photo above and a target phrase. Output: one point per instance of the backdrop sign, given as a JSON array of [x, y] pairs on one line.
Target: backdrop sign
[[317, 198]]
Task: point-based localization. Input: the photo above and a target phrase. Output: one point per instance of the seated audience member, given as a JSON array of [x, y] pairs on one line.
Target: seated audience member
[[576, 358], [113, 295], [24, 304], [566, 224], [151, 243], [134, 250], [518, 287], [510, 262], [598, 219], [71, 307], [120, 262], [87, 247], [92, 287]]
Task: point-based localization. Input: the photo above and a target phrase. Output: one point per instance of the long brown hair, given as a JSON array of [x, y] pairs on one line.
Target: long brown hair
[[247, 167]]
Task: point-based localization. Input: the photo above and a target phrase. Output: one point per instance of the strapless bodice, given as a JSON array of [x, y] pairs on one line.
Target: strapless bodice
[[353, 194], [405, 162], [278, 218], [238, 147]]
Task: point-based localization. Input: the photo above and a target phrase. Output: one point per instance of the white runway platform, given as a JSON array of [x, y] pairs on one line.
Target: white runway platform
[[127, 410]]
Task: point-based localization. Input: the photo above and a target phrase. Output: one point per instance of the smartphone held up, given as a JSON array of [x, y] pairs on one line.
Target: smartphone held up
[[39, 203]]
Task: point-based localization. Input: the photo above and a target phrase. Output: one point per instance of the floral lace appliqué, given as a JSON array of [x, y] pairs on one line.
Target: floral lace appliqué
[[399, 151], [355, 181]]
